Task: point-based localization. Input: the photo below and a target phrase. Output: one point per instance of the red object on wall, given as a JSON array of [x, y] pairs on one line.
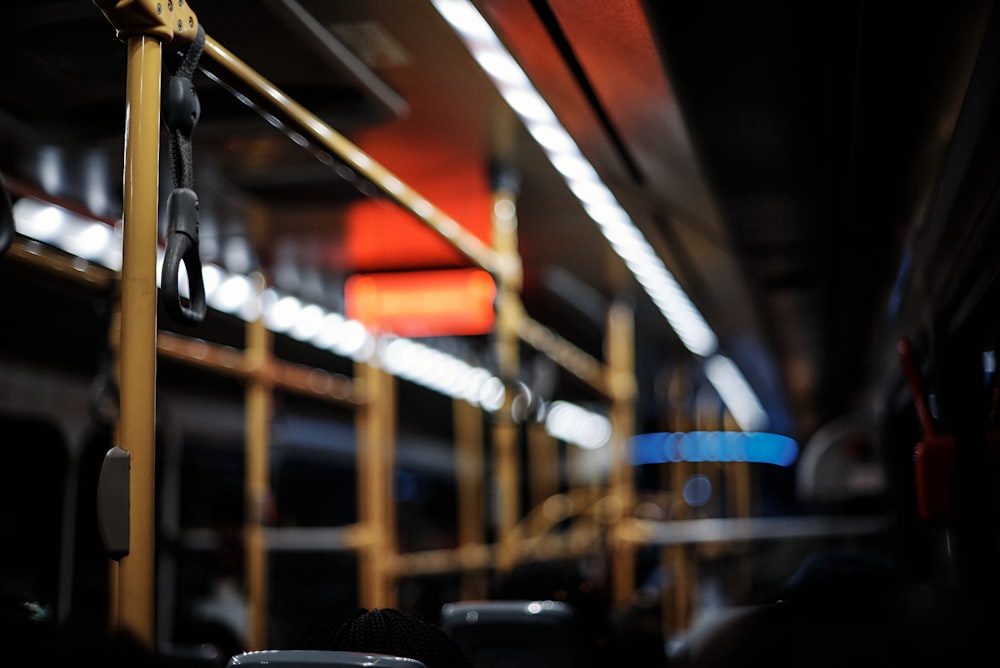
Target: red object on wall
[[447, 302], [934, 457]]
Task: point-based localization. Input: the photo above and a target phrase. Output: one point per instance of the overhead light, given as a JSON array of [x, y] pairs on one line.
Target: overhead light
[[422, 303], [234, 293], [85, 237], [466, 20], [280, 311], [308, 322], [725, 376], [551, 137], [603, 208], [568, 422]]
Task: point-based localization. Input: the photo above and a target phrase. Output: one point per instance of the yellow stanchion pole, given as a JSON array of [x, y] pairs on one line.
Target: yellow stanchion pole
[[259, 409], [390, 545], [543, 472], [621, 361], [505, 431], [138, 335], [232, 72], [144, 25], [740, 495], [469, 469], [376, 449], [677, 598]]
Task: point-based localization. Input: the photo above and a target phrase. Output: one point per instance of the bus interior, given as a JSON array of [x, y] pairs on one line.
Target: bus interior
[[313, 306]]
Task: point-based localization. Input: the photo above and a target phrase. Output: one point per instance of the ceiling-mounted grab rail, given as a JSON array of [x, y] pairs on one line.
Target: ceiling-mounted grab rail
[[248, 85], [255, 90], [277, 107]]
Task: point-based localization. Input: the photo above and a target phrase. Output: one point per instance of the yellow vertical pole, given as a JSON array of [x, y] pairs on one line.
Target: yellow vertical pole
[[741, 504], [469, 465], [677, 599], [257, 487], [683, 568], [740, 496], [505, 430], [621, 367], [376, 497], [543, 471], [707, 419], [742, 489], [390, 544], [138, 336]]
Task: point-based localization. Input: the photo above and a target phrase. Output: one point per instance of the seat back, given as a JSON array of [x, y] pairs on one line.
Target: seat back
[[514, 634], [298, 658]]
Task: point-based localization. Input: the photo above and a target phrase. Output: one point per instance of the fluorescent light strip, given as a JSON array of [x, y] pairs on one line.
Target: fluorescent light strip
[[583, 180], [739, 398], [327, 330], [83, 237], [568, 422], [598, 201]]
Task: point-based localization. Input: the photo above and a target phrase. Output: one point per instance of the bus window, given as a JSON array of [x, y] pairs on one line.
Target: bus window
[[32, 489]]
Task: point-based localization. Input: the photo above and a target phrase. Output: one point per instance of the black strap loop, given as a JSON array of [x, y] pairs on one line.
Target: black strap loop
[[181, 112], [182, 246]]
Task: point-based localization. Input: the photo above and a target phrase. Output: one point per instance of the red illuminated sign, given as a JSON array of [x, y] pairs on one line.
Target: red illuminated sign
[[449, 302]]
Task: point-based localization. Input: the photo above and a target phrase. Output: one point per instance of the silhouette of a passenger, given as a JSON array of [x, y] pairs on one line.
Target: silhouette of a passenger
[[840, 608], [387, 631]]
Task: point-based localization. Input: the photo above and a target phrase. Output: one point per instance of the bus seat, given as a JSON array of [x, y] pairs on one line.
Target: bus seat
[[308, 658], [514, 634]]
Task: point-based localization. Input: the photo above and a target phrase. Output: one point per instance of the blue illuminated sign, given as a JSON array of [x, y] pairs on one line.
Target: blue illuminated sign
[[714, 446]]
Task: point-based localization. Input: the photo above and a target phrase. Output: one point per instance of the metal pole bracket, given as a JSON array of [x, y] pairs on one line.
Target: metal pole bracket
[[163, 19]]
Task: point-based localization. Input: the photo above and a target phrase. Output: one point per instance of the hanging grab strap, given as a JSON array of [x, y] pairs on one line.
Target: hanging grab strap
[[935, 456], [181, 110]]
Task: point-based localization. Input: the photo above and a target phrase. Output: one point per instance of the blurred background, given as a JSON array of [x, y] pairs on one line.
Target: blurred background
[[617, 285]]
